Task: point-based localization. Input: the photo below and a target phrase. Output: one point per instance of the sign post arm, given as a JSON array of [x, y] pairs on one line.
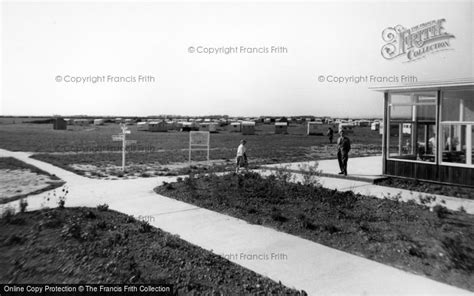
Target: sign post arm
[[123, 153], [208, 147]]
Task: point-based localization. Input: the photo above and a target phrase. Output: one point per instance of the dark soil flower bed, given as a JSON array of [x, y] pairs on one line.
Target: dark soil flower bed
[[85, 245], [436, 243], [421, 186]]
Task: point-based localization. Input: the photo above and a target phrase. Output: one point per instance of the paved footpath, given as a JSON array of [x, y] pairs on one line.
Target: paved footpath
[[296, 262]]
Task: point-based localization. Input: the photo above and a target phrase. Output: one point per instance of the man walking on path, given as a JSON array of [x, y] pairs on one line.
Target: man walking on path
[[343, 148], [241, 156], [330, 134]]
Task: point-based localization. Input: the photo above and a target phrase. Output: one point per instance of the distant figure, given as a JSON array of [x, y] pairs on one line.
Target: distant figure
[[343, 148], [241, 156], [451, 144], [330, 134]]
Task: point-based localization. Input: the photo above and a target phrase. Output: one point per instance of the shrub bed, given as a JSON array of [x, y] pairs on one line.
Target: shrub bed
[[427, 187], [87, 245], [437, 242]]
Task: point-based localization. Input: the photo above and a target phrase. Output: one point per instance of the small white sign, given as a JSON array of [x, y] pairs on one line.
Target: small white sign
[[129, 142], [199, 141], [117, 138], [199, 138]]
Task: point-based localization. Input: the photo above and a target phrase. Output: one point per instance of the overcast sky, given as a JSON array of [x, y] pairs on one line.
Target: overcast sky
[[44, 40]]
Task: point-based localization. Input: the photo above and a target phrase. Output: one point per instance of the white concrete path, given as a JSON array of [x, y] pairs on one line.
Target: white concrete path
[[294, 261]]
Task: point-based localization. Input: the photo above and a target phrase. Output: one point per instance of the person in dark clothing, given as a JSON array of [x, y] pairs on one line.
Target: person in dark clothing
[[330, 135], [343, 148]]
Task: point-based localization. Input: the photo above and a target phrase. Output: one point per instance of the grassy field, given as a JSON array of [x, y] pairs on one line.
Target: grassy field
[[93, 145], [42, 138]]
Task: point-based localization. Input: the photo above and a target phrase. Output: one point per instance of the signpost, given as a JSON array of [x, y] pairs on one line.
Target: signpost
[[122, 137], [199, 141]]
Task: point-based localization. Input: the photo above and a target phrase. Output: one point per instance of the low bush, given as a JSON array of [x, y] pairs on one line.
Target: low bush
[[14, 239], [277, 216], [89, 215], [441, 211], [7, 214], [103, 207], [72, 230], [144, 227], [460, 253], [310, 174], [23, 205]]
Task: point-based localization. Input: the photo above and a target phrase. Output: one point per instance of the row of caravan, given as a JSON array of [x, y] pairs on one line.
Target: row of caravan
[[244, 127], [247, 127], [164, 126]]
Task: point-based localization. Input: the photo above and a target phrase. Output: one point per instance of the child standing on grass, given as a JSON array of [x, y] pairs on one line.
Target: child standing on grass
[[241, 156]]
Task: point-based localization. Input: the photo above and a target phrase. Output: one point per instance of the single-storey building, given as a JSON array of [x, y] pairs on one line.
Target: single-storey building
[[362, 122], [208, 127], [281, 127], [314, 128], [81, 121], [328, 120], [157, 126], [318, 121], [375, 126], [142, 126], [129, 121], [236, 126], [248, 128], [172, 125], [187, 126], [348, 128], [98, 122], [429, 131], [59, 123]]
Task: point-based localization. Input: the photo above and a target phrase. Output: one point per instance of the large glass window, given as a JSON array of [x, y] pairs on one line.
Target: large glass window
[[412, 121], [457, 121]]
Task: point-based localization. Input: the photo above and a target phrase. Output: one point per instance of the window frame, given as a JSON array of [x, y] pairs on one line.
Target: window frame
[[412, 122], [469, 130]]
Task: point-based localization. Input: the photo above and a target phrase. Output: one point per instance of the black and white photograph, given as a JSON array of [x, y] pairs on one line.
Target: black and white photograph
[[229, 147]]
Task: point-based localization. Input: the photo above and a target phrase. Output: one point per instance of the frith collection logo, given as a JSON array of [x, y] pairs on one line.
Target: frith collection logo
[[416, 42]]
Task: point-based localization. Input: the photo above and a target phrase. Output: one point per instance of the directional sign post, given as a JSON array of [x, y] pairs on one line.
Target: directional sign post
[[123, 138]]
